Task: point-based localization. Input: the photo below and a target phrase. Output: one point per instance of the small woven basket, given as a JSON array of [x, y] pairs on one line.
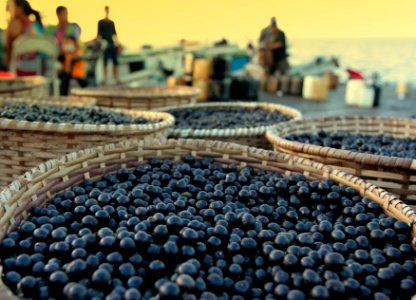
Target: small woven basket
[[26, 144], [31, 86], [397, 175], [139, 98], [39, 185], [251, 136]]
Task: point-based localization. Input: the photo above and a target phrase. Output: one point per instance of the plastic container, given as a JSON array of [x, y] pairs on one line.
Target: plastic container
[[401, 89], [239, 63], [358, 93], [315, 88]]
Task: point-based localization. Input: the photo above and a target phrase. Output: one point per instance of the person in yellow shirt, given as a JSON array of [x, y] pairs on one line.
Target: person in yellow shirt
[[73, 65]]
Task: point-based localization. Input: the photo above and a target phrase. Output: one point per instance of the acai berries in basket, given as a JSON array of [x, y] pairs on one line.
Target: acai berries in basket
[[380, 144], [197, 229], [226, 117], [67, 114]]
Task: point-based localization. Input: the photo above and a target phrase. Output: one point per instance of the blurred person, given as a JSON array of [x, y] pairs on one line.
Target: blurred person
[[251, 51], [64, 28], [265, 32], [107, 32], [273, 43], [3, 66], [264, 55], [73, 65], [20, 23]]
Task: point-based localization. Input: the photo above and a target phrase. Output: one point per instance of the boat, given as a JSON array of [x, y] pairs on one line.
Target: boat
[[153, 64], [317, 67]]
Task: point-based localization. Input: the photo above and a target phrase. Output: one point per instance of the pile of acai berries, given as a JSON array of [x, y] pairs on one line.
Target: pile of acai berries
[[67, 114], [198, 230], [226, 118], [372, 144]]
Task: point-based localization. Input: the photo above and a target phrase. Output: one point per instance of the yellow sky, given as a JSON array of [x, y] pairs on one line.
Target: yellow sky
[[164, 22]]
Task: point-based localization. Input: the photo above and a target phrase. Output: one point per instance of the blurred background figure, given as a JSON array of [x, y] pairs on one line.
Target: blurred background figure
[[265, 55], [21, 14], [67, 36], [272, 43], [3, 66], [265, 32], [63, 29], [107, 32], [73, 65], [251, 51]]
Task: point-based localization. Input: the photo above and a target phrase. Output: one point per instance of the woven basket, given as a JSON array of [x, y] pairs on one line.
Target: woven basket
[[140, 98], [26, 144], [32, 86], [252, 136], [397, 175], [42, 183]]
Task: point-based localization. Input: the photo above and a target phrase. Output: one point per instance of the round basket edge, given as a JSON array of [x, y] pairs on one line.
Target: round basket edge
[[167, 121], [235, 132], [275, 136], [146, 92], [36, 175], [23, 83]]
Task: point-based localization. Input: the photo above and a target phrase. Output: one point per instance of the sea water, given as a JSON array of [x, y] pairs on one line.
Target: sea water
[[394, 59]]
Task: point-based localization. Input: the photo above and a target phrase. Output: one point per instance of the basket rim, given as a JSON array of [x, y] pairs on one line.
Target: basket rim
[[167, 121], [26, 83], [226, 132], [150, 92], [57, 168], [276, 137]]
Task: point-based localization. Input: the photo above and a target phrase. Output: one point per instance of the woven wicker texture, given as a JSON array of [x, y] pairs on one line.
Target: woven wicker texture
[[26, 144], [32, 86], [42, 183], [141, 98], [253, 136], [397, 175]]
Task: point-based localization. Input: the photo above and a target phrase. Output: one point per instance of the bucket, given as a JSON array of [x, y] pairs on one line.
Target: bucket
[[359, 94], [315, 88]]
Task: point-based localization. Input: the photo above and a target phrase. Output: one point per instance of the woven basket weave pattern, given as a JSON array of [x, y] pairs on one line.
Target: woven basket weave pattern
[[144, 98], [397, 175], [26, 144], [42, 183], [32, 86]]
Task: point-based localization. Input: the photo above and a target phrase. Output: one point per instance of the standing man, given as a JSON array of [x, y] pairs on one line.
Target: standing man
[[265, 56], [107, 32], [64, 29], [273, 41], [265, 32]]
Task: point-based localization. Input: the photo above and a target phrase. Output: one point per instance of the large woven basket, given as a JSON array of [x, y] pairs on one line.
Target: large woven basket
[[139, 98], [42, 183], [32, 86], [397, 175], [251, 136], [26, 144]]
